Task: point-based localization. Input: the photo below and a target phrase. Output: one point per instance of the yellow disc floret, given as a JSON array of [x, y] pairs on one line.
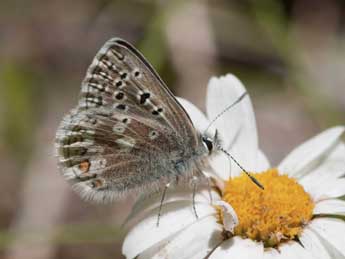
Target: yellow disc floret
[[272, 215]]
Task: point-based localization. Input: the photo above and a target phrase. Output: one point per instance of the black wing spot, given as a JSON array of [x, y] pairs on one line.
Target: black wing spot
[[120, 96], [118, 83], [121, 107], [144, 97], [157, 111], [124, 76], [137, 73]]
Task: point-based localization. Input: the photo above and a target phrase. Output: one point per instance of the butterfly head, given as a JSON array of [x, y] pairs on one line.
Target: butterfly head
[[208, 143], [211, 143]]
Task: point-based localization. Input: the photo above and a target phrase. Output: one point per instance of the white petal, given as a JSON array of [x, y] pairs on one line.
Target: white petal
[[291, 250], [237, 127], [198, 118], [271, 253], [225, 168], [174, 218], [221, 165], [220, 93], [145, 204], [307, 156], [332, 165], [330, 188], [194, 242], [334, 253], [230, 219], [332, 231], [262, 163], [331, 168], [333, 206], [313, 244], [238, 248]]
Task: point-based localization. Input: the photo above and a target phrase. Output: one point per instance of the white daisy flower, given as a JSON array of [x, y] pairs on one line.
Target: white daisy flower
[[297, 215]]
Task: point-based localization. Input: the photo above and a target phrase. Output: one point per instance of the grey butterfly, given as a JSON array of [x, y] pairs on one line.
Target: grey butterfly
[[128, 133]]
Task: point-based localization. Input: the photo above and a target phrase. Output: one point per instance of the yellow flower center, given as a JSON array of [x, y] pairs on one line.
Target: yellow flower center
[[273, 215]]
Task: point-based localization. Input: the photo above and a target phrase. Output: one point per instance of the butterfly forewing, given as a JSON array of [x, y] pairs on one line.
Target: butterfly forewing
[[128, 132], [119, 76]]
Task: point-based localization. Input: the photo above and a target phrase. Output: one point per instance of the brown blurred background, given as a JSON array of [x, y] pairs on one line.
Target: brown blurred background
[[289, 54]]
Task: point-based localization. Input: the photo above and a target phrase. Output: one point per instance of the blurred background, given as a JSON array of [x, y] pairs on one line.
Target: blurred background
[[289, 54]]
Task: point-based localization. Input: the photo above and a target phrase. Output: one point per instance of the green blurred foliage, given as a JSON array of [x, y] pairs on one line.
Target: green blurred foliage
[[18, 89]]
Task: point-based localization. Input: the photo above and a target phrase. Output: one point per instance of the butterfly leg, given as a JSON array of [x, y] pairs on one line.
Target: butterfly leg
[[230, 167], [194, 181], [161, 204], [193, 184], [208, 178]]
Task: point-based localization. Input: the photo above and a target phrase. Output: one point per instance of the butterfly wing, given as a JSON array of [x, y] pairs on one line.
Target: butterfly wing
[[128, 131], [119, 74]]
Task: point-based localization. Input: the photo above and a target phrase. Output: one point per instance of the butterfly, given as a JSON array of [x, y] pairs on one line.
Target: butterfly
[[128, 133]]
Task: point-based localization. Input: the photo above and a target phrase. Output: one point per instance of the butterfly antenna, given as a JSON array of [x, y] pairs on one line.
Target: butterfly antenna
[[254, 180], [226, 109]]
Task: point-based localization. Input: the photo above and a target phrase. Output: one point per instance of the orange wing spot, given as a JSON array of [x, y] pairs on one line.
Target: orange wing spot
[[97, 183], [84, 166]]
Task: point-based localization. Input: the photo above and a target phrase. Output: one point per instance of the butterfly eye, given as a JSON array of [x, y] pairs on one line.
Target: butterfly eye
[[208, 143]]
